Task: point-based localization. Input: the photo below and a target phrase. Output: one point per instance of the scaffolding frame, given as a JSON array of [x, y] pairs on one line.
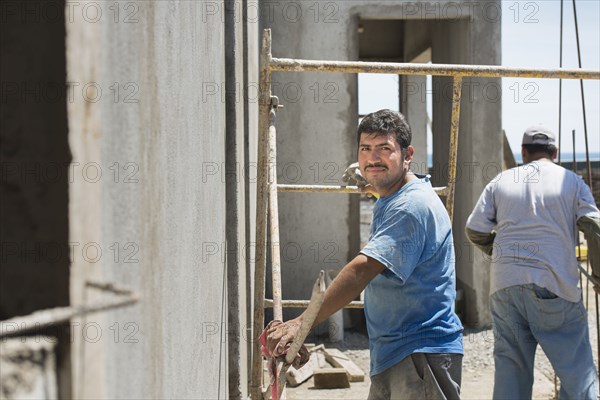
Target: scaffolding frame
[[267, 187]]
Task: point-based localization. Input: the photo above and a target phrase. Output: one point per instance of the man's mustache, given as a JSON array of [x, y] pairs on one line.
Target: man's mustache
[[376, 165]]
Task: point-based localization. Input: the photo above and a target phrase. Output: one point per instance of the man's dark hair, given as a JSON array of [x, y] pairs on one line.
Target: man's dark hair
[[548, 149], [385, 122]]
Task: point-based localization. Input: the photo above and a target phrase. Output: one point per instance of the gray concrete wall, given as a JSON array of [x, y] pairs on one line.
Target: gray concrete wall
[[316, 135], [162, 221]]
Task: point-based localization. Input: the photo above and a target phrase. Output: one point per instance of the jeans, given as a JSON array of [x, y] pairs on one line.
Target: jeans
[[422, 376], [526, 315]]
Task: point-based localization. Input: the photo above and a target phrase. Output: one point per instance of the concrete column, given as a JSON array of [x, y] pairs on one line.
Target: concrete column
[[235, 214], [316, 140], [414, 107], [480, 141]]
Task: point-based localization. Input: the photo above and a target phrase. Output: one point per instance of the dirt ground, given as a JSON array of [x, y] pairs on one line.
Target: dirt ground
[[478, 366]]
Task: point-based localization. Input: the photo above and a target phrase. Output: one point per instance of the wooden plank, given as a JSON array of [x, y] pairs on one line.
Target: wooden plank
[[331, 378], [338, 359]]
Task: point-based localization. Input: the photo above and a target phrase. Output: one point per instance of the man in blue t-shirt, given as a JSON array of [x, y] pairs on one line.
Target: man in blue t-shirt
[[406, 270]]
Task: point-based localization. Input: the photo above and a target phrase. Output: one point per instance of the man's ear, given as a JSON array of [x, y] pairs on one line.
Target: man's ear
[[408, 154]]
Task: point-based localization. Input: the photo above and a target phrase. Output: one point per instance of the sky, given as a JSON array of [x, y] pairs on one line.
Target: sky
[[531, 39]]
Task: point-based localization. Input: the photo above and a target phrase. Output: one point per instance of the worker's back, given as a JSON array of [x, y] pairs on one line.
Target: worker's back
[[536, 208]]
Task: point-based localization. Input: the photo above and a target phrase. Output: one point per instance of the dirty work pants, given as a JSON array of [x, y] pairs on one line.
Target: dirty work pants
[[419, 376], [526, 315]]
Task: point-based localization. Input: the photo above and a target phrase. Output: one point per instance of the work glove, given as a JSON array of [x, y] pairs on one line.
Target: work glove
[[353, 173]]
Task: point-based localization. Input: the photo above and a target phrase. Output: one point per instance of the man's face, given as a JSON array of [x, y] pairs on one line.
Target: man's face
[[382, 163]]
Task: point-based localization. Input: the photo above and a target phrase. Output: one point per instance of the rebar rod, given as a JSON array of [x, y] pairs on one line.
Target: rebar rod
[[585, 130]]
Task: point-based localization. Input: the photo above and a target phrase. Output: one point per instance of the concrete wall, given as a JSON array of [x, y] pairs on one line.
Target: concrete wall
[[170, 203], [319, 136]]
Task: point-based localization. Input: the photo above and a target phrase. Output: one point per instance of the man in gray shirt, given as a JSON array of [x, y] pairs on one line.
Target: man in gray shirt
[[526, 219]]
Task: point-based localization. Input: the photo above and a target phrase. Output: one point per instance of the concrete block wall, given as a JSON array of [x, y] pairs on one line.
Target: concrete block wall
[[169, 211]]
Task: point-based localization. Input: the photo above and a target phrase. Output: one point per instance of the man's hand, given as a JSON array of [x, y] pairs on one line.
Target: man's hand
[[281, 334]]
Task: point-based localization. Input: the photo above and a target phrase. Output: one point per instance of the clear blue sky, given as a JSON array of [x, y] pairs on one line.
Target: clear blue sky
[[531, 38]]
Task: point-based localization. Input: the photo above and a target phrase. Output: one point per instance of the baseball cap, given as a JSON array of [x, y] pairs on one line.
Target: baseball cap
[[538, 134]]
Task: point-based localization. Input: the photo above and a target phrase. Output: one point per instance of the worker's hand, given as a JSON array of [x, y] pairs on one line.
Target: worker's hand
[[281, 334]]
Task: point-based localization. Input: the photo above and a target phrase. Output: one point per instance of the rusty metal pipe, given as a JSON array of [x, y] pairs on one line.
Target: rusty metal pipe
[[334, 189], [454, 124], [256, 386], [490, 71]]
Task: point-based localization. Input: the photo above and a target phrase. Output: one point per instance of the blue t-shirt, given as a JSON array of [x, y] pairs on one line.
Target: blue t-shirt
[[410, 305]]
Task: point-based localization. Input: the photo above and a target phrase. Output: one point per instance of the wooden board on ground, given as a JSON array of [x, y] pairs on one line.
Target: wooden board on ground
[[331, 378], [338, 359]]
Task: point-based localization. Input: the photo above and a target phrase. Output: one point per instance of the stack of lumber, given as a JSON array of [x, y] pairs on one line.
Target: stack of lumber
[[330, 368]]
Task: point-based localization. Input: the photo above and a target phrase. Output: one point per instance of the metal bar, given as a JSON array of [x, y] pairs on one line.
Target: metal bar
[[261, 215], [284, 188], [587, 275], [268, 303], [274, 221], [490, 71], [456, 94], [560, 94], [54, 316], [585, 130]]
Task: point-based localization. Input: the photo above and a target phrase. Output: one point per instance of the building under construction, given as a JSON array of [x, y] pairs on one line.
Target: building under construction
[[135, 175]]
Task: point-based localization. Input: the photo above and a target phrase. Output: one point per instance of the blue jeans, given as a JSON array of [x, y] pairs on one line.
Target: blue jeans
[[526, 315]]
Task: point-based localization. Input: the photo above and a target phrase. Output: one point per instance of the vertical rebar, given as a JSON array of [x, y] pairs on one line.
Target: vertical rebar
[[560, 83], [585, 131]]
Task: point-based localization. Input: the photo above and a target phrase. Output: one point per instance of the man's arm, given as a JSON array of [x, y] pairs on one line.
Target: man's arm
[[348, 285], [484, 241], [590, 226]]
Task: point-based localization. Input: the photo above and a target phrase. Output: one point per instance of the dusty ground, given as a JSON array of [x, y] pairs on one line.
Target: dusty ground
[[478, 367]]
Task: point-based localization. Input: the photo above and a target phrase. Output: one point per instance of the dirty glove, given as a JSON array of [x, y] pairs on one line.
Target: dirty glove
[[353, 173]]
